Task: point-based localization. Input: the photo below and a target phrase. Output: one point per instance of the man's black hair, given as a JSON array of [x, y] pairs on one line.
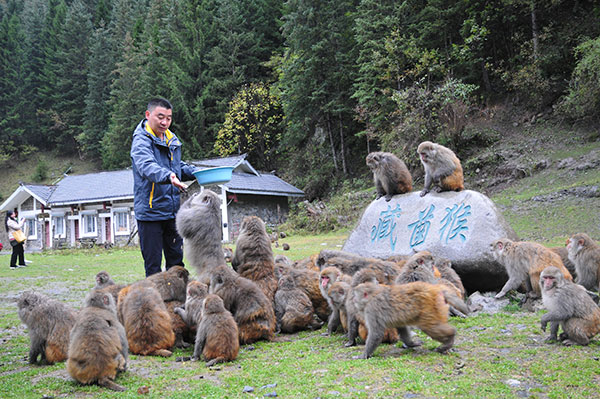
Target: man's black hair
[[159, 102]]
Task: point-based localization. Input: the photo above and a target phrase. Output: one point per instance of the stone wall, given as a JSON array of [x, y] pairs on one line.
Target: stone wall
[[273, 210]]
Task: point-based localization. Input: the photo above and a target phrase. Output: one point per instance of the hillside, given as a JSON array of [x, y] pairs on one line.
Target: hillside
[[542, 173]]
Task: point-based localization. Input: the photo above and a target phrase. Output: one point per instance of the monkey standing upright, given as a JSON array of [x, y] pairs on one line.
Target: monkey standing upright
[[390, 174], [585, 254], [253, 256], [524, 261], [569, 305], [399, 306], [198, 222], [443, 171], [49, 322], [98, 348]]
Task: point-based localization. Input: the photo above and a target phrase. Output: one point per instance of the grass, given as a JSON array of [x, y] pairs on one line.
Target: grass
[[495, 356]]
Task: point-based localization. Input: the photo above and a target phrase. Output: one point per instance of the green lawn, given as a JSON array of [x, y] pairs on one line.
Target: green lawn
[[502, 355]]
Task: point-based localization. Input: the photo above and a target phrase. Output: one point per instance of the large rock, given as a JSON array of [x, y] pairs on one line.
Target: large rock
[[456, 225]]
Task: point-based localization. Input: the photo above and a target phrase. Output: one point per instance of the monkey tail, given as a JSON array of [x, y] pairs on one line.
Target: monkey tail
[[455, 302]]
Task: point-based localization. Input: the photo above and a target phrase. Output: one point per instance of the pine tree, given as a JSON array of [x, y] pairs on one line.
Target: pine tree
[[128, 100], [97, 108], [12, 81], [71, 77]]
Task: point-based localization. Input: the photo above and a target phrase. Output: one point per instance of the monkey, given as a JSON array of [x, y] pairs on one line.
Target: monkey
[[330, 275], [253, 256], [399, 306], [180, 328], [228, 254], [338, 295], [569, 305], [146, 320], [293, 308], [444, 266], [524, 261], [285, 246], [217, 338], [98, 347], [283, 259], [191, 313], [103, 280], [49, 322], [251, 309], [171, 284], [443, 171], [355, 321], [306, 263], [198, 222], [585, 255], [421, 267], [106, 284], [563, 252], [350, 266], [327, 254], [390, 174], [307, 279]]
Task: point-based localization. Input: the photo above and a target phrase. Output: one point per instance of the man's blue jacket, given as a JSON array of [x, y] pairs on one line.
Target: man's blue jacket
[[152, 161]]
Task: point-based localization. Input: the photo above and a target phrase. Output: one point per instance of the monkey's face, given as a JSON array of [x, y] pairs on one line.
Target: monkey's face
[[550, 278], [337, 293], [497, 248], [373, 160], [426, 151], [574, 245]]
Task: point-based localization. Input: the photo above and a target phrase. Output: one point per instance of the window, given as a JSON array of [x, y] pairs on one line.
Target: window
[[30, 228], [58, 223], [121, 220], [89, 225]]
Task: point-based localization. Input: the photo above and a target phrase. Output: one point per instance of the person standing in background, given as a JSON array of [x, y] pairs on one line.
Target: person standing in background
[[18, 250]]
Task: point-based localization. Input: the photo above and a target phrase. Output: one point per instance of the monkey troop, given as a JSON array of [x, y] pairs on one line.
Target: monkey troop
[[368, 299]]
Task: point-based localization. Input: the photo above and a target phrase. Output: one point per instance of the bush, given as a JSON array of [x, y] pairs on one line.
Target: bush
[[583, 98], [41, 172]]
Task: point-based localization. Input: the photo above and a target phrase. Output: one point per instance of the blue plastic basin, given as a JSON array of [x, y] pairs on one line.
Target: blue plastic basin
[[219, 175]]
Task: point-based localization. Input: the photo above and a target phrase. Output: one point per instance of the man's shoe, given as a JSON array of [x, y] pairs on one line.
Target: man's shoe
[[22, 266], [28, 261], [14, 267]]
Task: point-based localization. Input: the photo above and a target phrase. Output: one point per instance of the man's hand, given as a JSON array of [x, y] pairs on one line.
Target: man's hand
[[177, 183]]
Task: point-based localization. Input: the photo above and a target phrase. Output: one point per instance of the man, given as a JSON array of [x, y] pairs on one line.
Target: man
[[157, 174]]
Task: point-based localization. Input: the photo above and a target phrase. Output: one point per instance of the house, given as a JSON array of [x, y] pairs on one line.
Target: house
[[97, 208]]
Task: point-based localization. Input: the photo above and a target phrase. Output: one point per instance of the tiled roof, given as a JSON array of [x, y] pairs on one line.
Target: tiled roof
[[215, 162], [118, 184], [93, 187], [42, 191], [265, 184]]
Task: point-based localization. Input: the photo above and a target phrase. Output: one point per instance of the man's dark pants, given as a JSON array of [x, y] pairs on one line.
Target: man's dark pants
[[155, 237]]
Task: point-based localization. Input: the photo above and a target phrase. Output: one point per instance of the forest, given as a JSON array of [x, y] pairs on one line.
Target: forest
[[307, 88]]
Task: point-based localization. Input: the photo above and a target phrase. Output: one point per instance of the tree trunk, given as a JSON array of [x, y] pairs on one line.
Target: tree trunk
[[335, 164], [534, 31], [342, 149]]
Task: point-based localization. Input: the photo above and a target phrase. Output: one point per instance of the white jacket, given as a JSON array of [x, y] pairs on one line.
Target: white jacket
[[13, 226]]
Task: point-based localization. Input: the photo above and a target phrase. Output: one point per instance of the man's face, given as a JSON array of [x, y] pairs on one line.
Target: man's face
[[159, 119]]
